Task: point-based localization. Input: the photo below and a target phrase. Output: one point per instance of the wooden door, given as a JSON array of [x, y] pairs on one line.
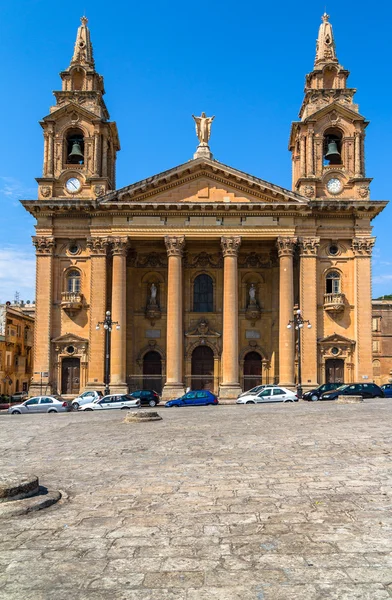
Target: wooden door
[[152, 372], [334, 370], [252, 370], [70, 376], [202, 369]]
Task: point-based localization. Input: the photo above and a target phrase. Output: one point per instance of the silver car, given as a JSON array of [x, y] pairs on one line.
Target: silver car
[[269, 394], [256, 389], [41, 404], [122, 401]]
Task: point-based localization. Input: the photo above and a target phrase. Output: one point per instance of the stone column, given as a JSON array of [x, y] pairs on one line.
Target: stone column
[[302, 155], [96, 153], [363, 365], [286, 306], [43, 317], [174, 386], [98, 302], [119, 313], [310, 153], [230, 387], [308, 305], [357, 154], [50, 153]]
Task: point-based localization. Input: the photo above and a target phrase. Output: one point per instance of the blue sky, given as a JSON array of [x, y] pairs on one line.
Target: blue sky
[[162, 62]]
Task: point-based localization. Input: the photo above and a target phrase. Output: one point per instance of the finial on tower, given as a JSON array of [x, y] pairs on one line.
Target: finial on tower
[[325, 47], [83, 52]]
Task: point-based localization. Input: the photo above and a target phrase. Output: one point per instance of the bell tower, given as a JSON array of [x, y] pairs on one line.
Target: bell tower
[[80, 143], [327, 144]]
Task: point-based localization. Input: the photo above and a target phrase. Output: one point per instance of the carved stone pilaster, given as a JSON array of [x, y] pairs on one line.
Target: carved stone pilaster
[[363, 246], [230, 246], [308, 246], [119, 246], [43, 245], [98, 246], [285, 246], [175, 245]]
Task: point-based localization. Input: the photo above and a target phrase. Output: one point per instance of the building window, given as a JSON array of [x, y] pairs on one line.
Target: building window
[[203, 294], [376, 324], [332, 283], [376, 346], [73, 281]]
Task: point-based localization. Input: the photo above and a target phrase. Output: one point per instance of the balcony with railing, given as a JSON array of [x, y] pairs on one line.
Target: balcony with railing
[[334, 303], [71, 301]]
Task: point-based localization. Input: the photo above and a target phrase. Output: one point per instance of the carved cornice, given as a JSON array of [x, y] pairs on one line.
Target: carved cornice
[[119, 246], [230, 246], [308, 246], [204, 261], [98, 246], [363, 246], [285, 246], [175, 245], [43, 245]]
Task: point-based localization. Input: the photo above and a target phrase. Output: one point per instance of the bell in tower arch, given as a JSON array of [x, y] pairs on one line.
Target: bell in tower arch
[[75, 154], [332, 153]]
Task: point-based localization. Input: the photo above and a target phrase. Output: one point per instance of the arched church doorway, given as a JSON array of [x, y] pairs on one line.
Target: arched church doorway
[[152, 371], [202, 369], [70, 376], [334, 370], [252, 370]]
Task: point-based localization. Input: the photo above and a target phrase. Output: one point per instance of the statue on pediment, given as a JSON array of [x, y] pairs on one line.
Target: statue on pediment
[[203, 128]]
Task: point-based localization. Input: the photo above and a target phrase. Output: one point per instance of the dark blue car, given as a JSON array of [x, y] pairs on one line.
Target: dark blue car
[[194, 398], [387, 389]]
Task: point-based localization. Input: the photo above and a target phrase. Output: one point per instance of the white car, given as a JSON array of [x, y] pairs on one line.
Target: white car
[[86, 398], [122, 401], [256, 389], [269, 394]]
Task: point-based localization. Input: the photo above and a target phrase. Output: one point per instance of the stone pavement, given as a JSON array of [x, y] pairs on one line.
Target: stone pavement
[[272, 502]]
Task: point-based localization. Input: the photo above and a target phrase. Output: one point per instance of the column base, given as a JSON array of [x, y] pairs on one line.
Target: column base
[[36, 389], [118, 388], [229, 392], [172, 390]]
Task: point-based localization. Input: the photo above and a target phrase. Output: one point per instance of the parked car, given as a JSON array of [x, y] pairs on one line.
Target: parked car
[[366, 390], [255, 390], [41, 404], [122, 401], [21, 396], [387, 389], [314, 395], [194, 398], [146, 397], [86, 398], [269, 394]]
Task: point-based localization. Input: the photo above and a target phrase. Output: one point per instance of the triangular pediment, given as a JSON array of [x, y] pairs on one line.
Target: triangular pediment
[[336, 338], [337, 107], [69, 338], [203, 181], [70, 107]]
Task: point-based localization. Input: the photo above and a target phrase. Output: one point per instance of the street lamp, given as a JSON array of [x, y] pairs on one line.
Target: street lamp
[[298, 323], [107, 325]]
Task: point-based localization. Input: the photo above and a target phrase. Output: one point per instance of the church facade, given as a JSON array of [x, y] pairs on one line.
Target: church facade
[[203, 266]]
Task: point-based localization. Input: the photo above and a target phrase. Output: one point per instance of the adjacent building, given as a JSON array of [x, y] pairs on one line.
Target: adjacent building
[[16, 349], [203, 265], [382, 341]]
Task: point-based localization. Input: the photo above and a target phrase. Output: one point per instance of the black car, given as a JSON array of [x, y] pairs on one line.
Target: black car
[[147, 397], [366, 390], [314, 395]]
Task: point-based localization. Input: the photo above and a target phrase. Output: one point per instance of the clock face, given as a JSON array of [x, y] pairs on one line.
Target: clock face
[[73, 185], [334, 186]]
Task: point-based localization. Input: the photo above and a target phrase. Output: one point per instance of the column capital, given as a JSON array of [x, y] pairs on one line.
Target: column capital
[[119, 246], [97, 245], [43, 245], [230, 246], [363, 246], [309, 245], [175, 245], [285, 246]]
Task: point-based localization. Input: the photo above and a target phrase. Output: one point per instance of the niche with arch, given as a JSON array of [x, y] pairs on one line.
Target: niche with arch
[[74, 147], [332, 146]]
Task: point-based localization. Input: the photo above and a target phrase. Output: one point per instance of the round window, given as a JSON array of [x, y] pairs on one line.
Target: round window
[[70, 349], [333, 249], [73, 248], [335, 351]]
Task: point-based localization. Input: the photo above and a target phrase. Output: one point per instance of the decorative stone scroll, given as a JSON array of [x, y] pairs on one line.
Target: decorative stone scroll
[[98, 246], [175, 245], [363, 246], [204, 261], [202, 329], [285, 246], [230, 246], [309, 246], [254, 260], [153, 260], [43, 245]]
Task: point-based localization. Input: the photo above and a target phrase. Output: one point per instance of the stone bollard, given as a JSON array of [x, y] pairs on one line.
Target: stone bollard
[[139, 416], [21, 494], [349, 399]]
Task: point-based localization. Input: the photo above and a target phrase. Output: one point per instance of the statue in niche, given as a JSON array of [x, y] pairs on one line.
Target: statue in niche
[[153, 312], [252, 295], [153, 295], [253, 311]]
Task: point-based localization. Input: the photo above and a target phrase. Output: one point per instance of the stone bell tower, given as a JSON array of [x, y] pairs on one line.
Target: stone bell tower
[[327, 144], [80, 143]]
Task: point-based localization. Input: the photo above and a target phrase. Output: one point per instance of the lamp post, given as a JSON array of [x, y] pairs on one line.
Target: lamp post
[[298, 323], [107, 325]]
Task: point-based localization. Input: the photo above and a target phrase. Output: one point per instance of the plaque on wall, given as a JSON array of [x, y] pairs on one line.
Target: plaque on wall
[[153, 333], [252, 335]]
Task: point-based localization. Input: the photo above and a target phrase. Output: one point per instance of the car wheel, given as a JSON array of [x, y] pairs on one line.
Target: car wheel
[[86, 409], [52, 411], [75, 405], [176, 406], [250, 402], [314, 398], [16, 412], [125, 408], [152, 403]]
